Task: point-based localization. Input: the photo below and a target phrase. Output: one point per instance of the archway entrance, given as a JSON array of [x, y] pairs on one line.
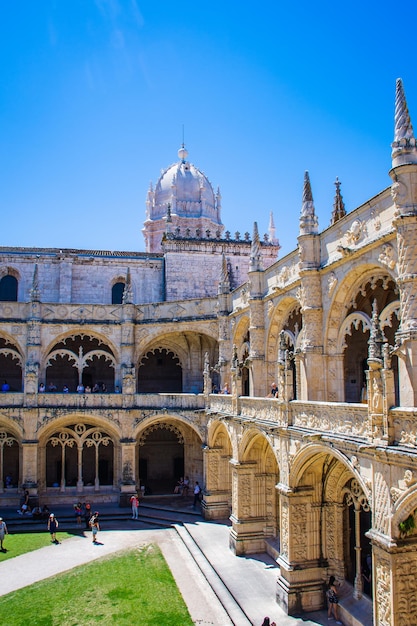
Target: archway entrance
[[161, 458]]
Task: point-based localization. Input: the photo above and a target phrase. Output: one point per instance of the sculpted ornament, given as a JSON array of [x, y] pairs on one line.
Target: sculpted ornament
[[387, 256], [331, 283], [356, 231], [403, 485]]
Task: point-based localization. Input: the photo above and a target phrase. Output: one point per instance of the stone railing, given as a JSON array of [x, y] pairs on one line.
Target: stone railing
[[264, 409], [342, 418], [336, 417], [405, 426], [220, 403], [189, 401]]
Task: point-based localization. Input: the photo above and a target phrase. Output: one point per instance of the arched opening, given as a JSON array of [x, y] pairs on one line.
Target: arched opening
[[10, 366], [8, 289], [80, 360], [9, 461], [117, 293], [357, 547], [79, 456], [160, 371], [161, 458]]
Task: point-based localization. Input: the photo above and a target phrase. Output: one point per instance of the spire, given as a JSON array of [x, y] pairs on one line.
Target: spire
[[168, 222], [224, 284], [127, 291], [404, 145], [308, 219], [339, 210], [255, 251], [34, 292], [271, 229]]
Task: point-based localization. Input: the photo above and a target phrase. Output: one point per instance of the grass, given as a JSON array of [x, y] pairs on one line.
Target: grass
[[20, 543], [134, 587]]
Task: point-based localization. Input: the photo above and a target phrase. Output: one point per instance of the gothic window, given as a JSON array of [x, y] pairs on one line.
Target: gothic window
[[160, 372], [8, 289], [117, 293]]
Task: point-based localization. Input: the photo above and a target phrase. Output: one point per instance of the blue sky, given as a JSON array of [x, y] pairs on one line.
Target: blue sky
[[94, 95]]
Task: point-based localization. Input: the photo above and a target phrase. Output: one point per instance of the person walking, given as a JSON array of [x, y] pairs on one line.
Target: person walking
[[53, 527], [3, 532], [95, 526], [197, 492], [134, 502]]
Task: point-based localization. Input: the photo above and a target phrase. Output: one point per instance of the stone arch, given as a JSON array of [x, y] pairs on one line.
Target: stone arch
[[348, 327], [11, 363], [78, 454], [168, 448], [255, 503], [180, 367], [336, 509], [405, 506], [10, 457], [79, 358]]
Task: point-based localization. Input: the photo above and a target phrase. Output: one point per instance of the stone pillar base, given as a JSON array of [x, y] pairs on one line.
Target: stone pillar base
[[216, 506], [246, 537], [301, 590]]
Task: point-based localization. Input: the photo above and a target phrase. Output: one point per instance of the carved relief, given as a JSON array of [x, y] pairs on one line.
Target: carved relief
[[387, 256], [356, 232]]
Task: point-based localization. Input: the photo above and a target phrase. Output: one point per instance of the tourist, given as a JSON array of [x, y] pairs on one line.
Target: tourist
[[266, 622], [95, 526], [274, 390], [42, 388], [96, 388], [226, 389], [186, 486], [80, 388], [333, 600], [3, 532], [65, 389], [179, 486], [87, 514], [134, 502], [78, 509], [51, 387], [5, 386], [197, 492], [87, 389], [53, 527]]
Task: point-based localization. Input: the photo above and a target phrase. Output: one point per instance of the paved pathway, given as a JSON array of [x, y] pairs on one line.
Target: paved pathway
[[250, 580]]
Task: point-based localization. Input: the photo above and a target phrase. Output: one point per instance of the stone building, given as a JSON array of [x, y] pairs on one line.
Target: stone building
[[324, 475]]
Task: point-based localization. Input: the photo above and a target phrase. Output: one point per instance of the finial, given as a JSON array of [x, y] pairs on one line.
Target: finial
[[308, 219], [183, 152], [34, 292], [339, 210], [255, 251], [127, 297], [404, 144], [271, 229], [224, 284], [376, 338]]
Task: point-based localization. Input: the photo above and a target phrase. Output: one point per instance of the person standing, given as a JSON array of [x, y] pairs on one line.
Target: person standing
[[333, 600], [87, 514], [3, 532], [53, 527], [134, 502], [95, 526]]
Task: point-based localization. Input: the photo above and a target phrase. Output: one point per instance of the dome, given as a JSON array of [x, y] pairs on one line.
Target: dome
[[186, 189], [185, 194]]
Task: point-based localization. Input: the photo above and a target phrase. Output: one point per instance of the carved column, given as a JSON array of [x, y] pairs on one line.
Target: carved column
[[311, 366], [217, 494], [128, 370], [247, 532], [300, 583], [128, 479], [30, 466]]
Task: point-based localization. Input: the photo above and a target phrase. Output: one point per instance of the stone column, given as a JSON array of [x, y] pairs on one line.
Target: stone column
[[247, 532], [257, 349], [300, 583], [394, 578], [30, 466], [217, 496], [128, 479], [311, 366]]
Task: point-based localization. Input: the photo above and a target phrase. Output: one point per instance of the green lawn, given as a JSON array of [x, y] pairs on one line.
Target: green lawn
[[20, 543], [131, 588]]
